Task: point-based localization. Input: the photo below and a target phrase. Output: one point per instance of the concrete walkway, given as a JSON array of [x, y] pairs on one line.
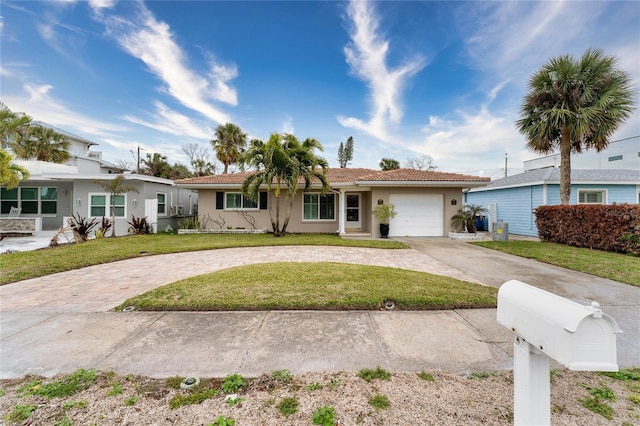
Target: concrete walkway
[[62, 322]]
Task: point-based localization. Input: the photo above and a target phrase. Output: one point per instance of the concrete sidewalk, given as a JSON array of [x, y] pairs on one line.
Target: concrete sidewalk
[[62, 322]]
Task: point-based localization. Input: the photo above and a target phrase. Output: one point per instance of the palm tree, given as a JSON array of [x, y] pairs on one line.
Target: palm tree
[[465, 219], [281, 163], [43, 144], [229, 144], [115, 188], [389, 164], [10, 174], [13, 127], [575, 104]]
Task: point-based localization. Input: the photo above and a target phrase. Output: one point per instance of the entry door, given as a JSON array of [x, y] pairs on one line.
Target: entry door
[[353, 211]]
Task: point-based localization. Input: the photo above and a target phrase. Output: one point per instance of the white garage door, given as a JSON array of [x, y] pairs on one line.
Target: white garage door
[[419, 215]]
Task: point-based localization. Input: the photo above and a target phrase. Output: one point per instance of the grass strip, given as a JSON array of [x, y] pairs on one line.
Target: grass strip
[[613, 266], [37, 263], [314, 286]]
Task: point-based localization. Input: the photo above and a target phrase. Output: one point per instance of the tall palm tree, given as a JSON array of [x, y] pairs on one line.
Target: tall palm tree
[[43, 144], [575, 104], [115, 188], [13, 127], [281, 163], [10, 174], [229, 144]]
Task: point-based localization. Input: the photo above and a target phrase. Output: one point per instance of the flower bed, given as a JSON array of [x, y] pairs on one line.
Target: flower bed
[[222, 231], [466, 236]]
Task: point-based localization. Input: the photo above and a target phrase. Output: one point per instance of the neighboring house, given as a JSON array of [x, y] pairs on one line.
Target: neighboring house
[[54, 191], [424, 200], [513, 199]]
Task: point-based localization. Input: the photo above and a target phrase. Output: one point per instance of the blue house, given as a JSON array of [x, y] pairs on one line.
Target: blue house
[[512, 199]]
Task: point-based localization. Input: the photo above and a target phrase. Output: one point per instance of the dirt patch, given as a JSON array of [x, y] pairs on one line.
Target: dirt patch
[[435, 399]]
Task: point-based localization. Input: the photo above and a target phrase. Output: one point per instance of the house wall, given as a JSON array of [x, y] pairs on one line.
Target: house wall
[[515, 205]]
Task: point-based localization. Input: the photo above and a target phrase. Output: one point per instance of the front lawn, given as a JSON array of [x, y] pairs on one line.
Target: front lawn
[[314, 286], [614, 266], [32, 264]]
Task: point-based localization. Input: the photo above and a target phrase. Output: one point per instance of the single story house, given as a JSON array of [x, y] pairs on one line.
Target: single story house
[[512, 199], [55, 191], [424, 201]]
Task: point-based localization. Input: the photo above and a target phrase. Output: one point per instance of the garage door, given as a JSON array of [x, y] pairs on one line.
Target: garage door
[[419, 215]]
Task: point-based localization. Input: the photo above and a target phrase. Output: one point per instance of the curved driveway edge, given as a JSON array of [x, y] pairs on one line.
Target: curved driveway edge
[[100, 288]]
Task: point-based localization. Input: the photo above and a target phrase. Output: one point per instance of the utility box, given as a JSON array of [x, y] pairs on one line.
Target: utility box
[[578, 336], [500, 231]]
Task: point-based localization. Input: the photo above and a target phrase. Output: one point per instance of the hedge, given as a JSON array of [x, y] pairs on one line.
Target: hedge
[[613, 227]]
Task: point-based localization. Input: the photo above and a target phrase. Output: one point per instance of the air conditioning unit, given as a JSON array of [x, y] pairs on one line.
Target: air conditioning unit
[[177, 210]]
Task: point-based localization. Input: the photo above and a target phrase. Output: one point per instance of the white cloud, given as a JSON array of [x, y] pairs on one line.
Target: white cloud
[[39, 104], [287, 126], [366, 55], [152, 42], [169, 121]]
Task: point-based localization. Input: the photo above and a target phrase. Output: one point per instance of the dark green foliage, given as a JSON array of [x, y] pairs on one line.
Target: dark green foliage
[[369, 375], [325, 416], [594, 404], [288, 406], [426, 376], [66, 386], [195, 395], [379, 402], [20, 413], [232, 383]]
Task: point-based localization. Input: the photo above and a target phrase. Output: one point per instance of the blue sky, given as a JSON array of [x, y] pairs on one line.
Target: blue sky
[[444, 79]]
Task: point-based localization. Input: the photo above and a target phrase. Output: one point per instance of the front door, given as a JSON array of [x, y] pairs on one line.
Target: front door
[[353, 211]]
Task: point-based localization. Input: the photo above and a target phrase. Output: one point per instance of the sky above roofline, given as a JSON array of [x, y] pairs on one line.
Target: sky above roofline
[[404, 79]]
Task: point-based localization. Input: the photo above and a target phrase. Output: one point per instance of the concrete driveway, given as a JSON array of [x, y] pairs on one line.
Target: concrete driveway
[[64, 321]]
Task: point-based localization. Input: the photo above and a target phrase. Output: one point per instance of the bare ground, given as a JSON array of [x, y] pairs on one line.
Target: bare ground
[[450, 399]]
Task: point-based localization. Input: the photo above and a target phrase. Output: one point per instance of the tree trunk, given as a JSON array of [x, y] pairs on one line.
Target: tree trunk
[[113, 221], [565, 166], [286, 220], [276, 225]]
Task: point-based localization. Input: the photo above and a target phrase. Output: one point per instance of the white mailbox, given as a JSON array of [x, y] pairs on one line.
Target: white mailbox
[[578, 336], [548, 326]]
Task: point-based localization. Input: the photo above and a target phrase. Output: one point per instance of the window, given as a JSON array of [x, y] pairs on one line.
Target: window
[[48, 200], [100, 205], [318, 207], [592, 197], [237, 201], [8, 199], [162, 203], [32, 200]]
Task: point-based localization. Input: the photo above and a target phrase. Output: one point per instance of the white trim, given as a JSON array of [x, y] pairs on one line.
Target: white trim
[[107, 206], [545, 194], [605, 196], [166, 204]]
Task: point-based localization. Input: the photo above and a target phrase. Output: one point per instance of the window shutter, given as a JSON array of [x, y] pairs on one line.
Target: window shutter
[[219, 200], [263, 200]]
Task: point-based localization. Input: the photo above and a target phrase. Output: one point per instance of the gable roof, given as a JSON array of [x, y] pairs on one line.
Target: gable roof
[[551, 175], [355, 176]]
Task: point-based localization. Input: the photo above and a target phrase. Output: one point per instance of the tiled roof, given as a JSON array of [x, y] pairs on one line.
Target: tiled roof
[[347, 175], [552, 175], [413, 175]]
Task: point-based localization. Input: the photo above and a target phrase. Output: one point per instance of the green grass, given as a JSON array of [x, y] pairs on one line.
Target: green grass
[[613, 266], [32, 264], [314, 286], [68, 385]]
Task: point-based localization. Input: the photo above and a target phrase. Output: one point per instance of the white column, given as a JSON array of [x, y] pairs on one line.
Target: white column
[[531, 385], [343, 213]]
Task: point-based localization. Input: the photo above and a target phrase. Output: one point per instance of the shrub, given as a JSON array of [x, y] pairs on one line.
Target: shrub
[[605, 227], [82, 226], [139, 226]]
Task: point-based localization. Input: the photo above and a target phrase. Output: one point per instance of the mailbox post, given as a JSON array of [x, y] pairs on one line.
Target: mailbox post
[[548, 326]]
